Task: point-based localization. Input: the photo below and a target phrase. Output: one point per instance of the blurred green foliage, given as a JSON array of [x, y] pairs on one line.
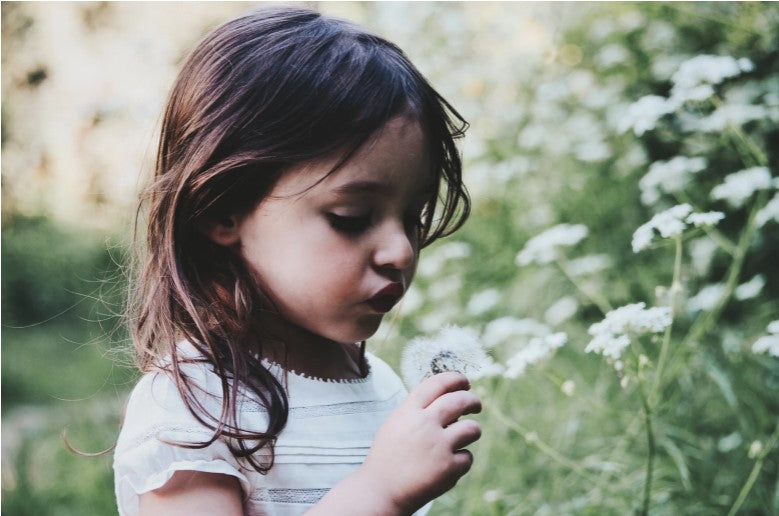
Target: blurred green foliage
[[544, 451]]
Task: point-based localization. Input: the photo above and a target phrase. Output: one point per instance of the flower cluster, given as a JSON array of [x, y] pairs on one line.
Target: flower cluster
[[612, 335], [693, 81], [739, 186], [544, 248], [769, 212], [668, 177], [768, 343], [672, 222], [452, 349], [507, 328], [535, 350]]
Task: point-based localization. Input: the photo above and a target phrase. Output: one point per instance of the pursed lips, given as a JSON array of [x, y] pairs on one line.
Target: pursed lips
[[383, 300]]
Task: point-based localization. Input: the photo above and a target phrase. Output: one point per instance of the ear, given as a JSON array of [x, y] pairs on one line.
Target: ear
[[222, 231]]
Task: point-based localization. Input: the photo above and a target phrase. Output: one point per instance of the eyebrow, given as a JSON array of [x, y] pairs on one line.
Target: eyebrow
[[362, 186], [368, 186]]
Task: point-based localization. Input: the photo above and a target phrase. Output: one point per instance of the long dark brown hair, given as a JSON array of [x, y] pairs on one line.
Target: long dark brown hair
[[265, 91]]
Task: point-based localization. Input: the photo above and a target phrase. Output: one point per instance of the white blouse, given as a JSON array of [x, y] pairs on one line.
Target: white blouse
[[329, 431]]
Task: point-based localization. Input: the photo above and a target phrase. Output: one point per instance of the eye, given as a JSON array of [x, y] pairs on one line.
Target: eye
[[349, 224]]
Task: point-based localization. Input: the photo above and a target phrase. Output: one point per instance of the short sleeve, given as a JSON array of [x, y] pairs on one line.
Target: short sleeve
[[156, 416]]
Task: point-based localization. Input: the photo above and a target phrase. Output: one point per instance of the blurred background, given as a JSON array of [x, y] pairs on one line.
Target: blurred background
[[546, 88]]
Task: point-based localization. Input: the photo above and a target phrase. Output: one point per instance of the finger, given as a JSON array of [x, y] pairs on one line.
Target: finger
[[431, 388], [463, 460], [451, 405], [462, 433]]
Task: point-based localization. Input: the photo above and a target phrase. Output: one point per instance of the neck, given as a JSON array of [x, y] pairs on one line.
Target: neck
[[297, 349]]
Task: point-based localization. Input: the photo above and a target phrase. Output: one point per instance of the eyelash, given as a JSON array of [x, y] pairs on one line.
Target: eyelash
[[349, 225], [354, 225]]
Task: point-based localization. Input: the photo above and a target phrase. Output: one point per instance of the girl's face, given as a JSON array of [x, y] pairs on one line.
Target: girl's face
[[336, 257]]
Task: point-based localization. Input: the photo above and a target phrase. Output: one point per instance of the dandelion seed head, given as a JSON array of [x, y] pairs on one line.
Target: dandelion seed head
[[544, 248], [452, 349]]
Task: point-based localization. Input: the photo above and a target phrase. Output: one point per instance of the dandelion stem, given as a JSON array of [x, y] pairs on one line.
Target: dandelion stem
[[602, 304], [651, 450], [676, 286], [756, 468]]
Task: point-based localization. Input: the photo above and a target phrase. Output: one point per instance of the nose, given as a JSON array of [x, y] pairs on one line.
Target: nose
[[395, 249]]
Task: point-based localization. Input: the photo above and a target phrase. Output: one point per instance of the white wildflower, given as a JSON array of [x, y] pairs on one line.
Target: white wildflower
[[708, 69], [435, 259], [707, 298], [751, 288], [412, 300], [768, 343], [642, 115], [755, 449], [532, 352], [668, 177], [695, 94], [739, 186], [670, 222], [768, 212], [701, 253], [491, 496], [451, 349], [444, 288], [612, 334], [561, 310], [568, 387], [589, 264], [709, 218], [544, 248], [727, 115], [483, 301], [729, 442], [505, 328]]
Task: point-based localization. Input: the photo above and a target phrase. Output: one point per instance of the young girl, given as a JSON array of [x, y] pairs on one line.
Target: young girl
[[303, 163]]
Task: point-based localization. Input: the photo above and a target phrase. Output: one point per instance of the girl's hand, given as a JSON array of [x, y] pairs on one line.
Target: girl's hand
[[418, 453]]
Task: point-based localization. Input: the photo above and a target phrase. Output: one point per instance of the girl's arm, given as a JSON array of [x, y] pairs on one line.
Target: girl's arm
[[416, 456], [194, 493]]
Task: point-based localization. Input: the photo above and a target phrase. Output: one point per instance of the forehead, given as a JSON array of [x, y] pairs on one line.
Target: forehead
[[395, 159]]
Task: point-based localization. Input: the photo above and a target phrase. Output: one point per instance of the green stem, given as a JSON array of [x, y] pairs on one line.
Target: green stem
[[756, 468], [712, 232], [544, 447], [676, 287], [651, 450], [602, 304]]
